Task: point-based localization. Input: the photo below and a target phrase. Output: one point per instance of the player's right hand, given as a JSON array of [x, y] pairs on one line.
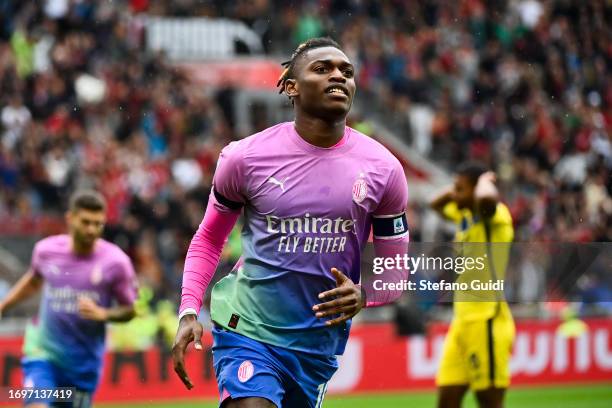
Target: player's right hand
[[189, 330]]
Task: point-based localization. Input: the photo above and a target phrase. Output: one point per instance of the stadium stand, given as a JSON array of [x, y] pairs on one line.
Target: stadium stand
[[520, 84]]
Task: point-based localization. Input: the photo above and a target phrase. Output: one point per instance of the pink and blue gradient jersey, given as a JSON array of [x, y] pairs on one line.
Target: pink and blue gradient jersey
[[307, 209], [59, 335]]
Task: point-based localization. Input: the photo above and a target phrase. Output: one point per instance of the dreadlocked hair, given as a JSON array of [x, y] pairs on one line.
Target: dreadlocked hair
[[301, 49]]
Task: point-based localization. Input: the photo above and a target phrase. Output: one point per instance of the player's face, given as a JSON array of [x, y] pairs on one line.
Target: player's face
[[464, 192], [86, 226], [325, 83]]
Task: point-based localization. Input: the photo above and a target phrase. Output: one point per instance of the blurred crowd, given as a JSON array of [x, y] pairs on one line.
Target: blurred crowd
[[82, 105], [522, 85]]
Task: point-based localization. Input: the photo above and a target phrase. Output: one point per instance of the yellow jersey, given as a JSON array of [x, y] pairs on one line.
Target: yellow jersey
[[472, 241]]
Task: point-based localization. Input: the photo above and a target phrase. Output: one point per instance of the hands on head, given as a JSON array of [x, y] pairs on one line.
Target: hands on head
[[488, 176]]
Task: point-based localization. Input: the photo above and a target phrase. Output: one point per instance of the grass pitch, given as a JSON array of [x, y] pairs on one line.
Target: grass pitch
[[575, 396]]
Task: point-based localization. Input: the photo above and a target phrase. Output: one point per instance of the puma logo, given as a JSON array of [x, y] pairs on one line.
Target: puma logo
[[281, 184]]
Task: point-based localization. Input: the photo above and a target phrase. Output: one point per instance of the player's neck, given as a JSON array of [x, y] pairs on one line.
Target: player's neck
[[81, 249], [319, 132]]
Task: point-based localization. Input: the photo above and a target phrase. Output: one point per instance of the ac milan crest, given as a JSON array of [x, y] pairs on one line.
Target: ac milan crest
[[96, 275], [245, 371], [360, 190]]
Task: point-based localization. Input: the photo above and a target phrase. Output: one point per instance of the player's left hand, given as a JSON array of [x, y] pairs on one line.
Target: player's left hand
[[347, 301], [489, 176], [88, 309]]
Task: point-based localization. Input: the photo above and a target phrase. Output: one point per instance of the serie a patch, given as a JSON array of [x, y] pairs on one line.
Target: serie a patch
[[390, 226]]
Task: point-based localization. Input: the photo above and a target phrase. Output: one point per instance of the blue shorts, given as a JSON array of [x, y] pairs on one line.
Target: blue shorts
[[248, 368], [46, 375]]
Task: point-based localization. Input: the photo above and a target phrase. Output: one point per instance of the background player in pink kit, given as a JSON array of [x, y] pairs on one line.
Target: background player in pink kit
[[311, 191], [82, 277]]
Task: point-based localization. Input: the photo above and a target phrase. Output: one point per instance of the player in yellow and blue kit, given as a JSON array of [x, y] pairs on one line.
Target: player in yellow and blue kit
[[478, 345]]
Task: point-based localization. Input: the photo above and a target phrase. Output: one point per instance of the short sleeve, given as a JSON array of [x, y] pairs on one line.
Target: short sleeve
[[502, 215], [502, 224], [35, 263], [452, 212], [125, 285], [228, 181], [395, 197]]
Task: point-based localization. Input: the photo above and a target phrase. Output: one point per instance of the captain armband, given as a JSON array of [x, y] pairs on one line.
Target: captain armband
[[390, 226]]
